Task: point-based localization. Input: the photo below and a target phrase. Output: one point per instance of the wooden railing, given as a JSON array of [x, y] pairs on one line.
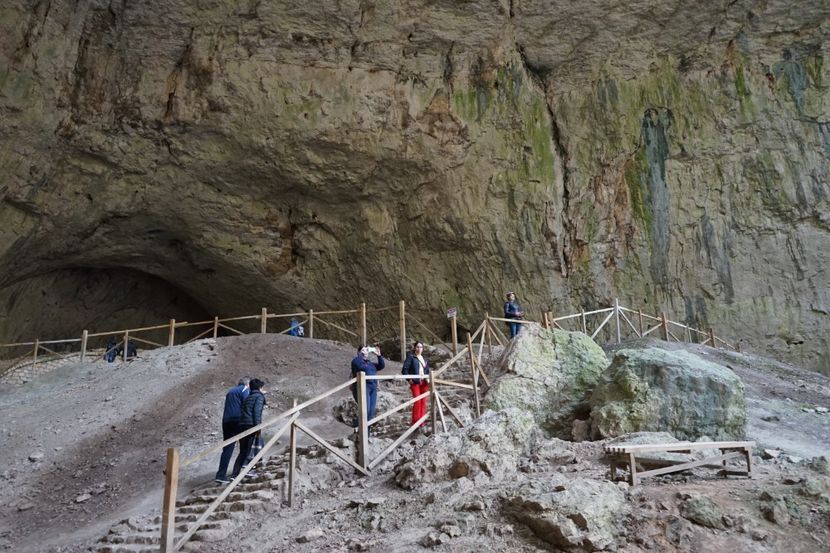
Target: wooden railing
[[289, 420], [626, 323]]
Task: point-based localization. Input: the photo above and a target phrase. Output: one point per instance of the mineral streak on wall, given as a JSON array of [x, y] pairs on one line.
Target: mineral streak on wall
[[318, 154]]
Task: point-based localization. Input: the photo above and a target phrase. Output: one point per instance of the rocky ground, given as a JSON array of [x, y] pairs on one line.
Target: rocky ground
[[85, 448]]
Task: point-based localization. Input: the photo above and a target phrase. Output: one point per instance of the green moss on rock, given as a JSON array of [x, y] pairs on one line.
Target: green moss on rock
[[549, 374], [655, 390]]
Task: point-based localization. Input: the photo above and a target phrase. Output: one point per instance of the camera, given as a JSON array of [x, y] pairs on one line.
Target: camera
[[372, 349]]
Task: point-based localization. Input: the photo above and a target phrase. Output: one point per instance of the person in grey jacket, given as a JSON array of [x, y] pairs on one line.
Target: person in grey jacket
[[251, 416]]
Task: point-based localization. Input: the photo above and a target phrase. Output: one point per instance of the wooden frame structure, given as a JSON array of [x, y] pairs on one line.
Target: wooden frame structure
[[289, 418], [626, 322], [630, 456]]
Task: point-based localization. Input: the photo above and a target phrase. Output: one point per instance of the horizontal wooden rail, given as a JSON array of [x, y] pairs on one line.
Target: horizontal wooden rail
[[330, 447], [269, 422], [397, 408], [232, 485], [452, 384], [341, 312], [285, 315], [338, 327], [520, 321]]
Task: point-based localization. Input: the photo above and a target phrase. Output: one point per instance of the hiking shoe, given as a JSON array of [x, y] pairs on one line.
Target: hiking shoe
[[222, 481], [251, 474]]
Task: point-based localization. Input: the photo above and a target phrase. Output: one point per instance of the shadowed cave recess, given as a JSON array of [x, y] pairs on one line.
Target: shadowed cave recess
[[183, 160]]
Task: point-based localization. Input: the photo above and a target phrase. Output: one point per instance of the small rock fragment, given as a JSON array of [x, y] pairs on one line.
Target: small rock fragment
[[310, 535]]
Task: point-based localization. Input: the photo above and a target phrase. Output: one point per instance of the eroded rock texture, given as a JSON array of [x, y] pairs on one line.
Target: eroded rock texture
[[323, 153]]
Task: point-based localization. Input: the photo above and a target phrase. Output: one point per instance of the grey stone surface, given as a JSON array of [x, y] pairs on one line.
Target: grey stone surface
[[580, 514], [487, 449], [675, 156], [547, 373], [677, 392]]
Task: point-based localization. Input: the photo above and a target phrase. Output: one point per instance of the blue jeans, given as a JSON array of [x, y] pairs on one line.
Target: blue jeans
[[229, 430], [371, 399], [514, 329]]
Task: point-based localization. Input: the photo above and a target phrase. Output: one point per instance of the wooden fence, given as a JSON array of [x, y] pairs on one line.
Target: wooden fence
[[611, 324], [487, 334], [289, 421]]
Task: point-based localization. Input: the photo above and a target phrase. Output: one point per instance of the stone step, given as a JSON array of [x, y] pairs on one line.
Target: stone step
[[125, 548], [137, 538]]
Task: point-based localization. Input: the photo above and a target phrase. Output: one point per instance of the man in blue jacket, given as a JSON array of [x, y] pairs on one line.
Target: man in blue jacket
[[251, 416], [230, 425], [512, 310], [362, 364]]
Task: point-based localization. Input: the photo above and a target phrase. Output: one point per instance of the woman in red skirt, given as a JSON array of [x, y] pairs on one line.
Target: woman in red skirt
[[417, 365]]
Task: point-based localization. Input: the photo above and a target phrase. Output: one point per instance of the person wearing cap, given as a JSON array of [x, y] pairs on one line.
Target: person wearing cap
[[230, 425], [512, 310], [251, 417], [361, 363]]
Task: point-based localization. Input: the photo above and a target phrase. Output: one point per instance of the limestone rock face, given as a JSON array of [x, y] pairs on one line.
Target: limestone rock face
[[488, 449], [579, 514], [250, 154], [547, 373], [656, 390]]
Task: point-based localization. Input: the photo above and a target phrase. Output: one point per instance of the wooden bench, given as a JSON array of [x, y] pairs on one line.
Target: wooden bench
[[622, 454]]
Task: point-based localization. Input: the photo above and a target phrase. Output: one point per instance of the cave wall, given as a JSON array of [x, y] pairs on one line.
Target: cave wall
[[61, 303], [321, 154]]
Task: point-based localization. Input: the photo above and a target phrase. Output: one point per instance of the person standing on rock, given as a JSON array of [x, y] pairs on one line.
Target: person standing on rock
[[251, 416], [512, 310], [230, 425], [417, 365], [361, 363]]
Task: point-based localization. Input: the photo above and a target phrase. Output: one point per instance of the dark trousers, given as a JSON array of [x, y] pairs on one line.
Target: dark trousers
[[229, 430], [371, 398], [244, 448], [514, 329]]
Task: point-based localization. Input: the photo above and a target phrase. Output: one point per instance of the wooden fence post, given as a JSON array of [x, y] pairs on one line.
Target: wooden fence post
[[263, 324], [363, 336], [34, 355], [545, 319], [738, 346], [292, 461], [617, 316], [584, 323], [454, 333], [487, 332], [126, 343], [84, 340], [640, 315], [665, 324], [402, 320], [168, 516], [171, 334], [362, 424], [688, 334], [216, 326], [475, 377], [433, 403], [712, 337], [311, 323]]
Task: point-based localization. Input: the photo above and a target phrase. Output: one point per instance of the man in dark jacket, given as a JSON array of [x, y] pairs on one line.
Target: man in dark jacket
[[512, 310], [230, 425], [251, 416], [362, 364]]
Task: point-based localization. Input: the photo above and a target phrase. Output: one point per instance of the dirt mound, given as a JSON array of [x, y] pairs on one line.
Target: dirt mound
[[86, 444]]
